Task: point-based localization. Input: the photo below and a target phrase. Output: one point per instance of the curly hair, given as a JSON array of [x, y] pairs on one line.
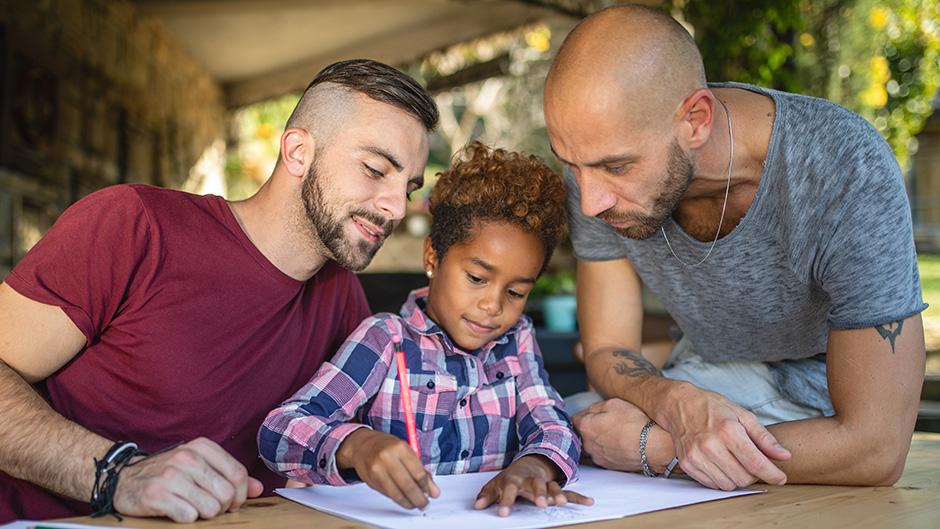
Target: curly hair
[[495, 185]]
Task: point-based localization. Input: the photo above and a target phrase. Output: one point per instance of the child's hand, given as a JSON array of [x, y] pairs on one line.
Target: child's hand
[[531, 477], [388, 465]]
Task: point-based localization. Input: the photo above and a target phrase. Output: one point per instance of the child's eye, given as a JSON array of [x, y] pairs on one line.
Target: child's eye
[[476, 280], [517, 295]]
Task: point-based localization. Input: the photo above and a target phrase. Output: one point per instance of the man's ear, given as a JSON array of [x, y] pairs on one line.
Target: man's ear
[[297, 148], [696, 116]]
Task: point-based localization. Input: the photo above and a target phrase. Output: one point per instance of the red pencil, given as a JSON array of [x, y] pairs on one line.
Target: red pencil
[[405, 393]]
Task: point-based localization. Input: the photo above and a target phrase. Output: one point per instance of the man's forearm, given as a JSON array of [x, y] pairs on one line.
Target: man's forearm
[[39, 445], [828, 452], [628, 375], [825, 450], [874, 379]]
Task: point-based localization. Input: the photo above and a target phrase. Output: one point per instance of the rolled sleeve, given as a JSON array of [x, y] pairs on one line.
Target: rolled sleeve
[[303, 448], [543, 425], [299, 439], [327, 469], [560, 447]]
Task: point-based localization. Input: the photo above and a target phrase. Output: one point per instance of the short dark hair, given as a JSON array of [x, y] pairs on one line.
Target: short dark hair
[[495, 185], [382, 83]]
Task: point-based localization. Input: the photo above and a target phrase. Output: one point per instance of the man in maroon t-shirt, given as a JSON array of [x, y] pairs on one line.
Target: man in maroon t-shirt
[[164, 318]]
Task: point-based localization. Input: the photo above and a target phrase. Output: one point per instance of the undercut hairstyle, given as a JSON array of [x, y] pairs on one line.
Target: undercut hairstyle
[[372, 79], [495, 185]]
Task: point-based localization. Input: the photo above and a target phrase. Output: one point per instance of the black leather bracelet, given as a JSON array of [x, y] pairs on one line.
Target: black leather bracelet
[[107, 471]]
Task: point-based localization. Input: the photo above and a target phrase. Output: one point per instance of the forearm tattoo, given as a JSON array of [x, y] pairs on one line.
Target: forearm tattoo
[[634, 364], [890, 332]]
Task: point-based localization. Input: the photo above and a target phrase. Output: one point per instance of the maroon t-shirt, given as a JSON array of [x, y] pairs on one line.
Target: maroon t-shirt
[[190, 330]]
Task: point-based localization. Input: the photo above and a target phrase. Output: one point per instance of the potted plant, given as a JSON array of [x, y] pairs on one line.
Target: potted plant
[[559, 306]]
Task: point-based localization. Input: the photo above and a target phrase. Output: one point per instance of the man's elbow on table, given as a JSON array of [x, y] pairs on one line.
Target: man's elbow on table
[[881, 454], [885, 467]]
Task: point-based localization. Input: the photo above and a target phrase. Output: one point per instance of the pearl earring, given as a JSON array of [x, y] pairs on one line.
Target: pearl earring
[[429, 273]]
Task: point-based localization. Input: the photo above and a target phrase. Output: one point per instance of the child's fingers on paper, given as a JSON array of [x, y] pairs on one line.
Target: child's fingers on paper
[[409, 488], [420, 475], [556, 495], [383, 483], [487, 496], [508, 494], [580, 499], [539, 491], [435, 490]]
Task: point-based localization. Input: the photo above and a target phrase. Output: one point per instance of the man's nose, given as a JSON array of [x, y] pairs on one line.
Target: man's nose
[[394, 203], [596, 198]]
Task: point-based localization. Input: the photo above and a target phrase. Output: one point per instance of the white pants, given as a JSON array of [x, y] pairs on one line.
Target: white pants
[[748, 384]]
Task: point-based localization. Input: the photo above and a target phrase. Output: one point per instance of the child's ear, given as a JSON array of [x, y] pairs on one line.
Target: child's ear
[[430, 259]]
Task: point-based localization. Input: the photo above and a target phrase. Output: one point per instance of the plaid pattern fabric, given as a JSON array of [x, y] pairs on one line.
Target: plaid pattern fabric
[[474, 411]]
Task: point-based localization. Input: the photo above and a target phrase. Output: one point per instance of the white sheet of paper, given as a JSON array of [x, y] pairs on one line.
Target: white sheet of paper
[[26, 524], [616, 494]]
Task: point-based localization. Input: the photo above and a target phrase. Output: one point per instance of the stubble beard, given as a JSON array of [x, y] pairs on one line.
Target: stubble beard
[[327, 226], [678, 176]]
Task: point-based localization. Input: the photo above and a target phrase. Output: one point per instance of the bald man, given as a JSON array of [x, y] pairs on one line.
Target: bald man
[[148, 317], [776, 231]]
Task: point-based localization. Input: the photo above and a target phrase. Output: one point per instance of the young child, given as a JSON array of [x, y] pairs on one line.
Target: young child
[[480, 394]]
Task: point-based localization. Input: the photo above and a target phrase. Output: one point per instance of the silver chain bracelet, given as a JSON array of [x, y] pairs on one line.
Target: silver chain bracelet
[[644, 436]]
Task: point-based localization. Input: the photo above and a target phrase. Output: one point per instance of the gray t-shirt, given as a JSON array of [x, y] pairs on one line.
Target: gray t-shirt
[[826, 244]]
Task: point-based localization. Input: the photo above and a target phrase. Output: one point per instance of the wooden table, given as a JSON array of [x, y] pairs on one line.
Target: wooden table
[[913, 503]]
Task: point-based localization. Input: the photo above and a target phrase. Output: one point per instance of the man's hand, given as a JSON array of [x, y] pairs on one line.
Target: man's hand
[[610, 431], [720, 444], [388, 465], [196, 480], [531, 477]]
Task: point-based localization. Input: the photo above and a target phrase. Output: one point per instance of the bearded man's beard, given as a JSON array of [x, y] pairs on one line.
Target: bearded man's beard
[[328, 226], [676, 182]]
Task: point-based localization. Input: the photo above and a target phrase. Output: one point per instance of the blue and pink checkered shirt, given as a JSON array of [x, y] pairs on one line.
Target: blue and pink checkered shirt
[[475, 411]]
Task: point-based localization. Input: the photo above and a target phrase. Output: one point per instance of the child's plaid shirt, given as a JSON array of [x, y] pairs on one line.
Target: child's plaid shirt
[[474, 411]]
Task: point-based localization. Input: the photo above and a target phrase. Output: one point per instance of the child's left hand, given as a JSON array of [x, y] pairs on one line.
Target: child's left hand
[[532, 477]]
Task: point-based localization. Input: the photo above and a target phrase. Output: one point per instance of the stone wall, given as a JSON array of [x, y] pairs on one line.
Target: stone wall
[[93, 94]]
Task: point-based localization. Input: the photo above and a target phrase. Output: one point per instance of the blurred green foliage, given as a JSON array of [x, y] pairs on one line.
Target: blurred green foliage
[[745, 41], [501, 107], [880, 58], [256, 133], [887, 64], [553, 284]]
